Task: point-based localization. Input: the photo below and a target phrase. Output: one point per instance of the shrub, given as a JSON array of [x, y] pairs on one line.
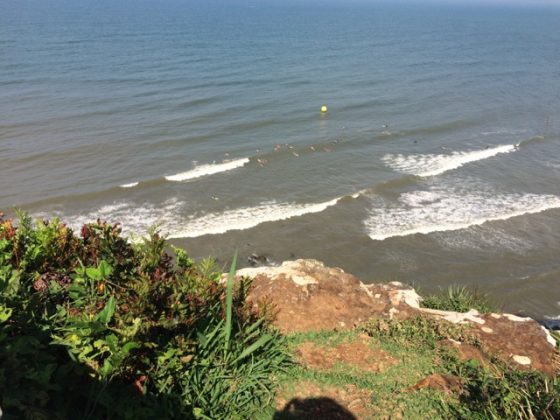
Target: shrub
[[130, 332]]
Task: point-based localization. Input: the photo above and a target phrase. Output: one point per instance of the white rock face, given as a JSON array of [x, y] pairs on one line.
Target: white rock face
[[549, 337], [290, 269], [516, 318], [456, 317], [522, 360], [410, 297]]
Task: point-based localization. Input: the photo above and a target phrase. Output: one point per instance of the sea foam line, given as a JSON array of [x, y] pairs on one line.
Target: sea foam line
[[129, 185], [134, 219], [425, 165], [427, 211], [168, 217], [209, 169], [247, 217]]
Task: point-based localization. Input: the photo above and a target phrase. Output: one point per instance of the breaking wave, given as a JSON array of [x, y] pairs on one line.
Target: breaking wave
[[209, 169], [169, 217], [247, 217], [135, 220], [424, 165], [438, 210], [130, 185]]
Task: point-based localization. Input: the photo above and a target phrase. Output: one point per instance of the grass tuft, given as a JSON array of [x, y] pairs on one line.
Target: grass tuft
[[459, 299], [418, 331]]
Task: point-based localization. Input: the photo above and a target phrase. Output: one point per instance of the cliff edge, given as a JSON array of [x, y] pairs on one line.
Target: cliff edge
[[308, 296]]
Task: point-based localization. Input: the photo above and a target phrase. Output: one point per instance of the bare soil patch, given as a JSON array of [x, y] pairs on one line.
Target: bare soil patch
[[360, 354]]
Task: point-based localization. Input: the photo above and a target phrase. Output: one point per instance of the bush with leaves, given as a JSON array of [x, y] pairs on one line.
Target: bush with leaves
[[129, 329]]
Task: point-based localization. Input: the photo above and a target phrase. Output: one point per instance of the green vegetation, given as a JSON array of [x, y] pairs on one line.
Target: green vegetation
[[92, 326], [459, 299], [419, 331], [556, 336]]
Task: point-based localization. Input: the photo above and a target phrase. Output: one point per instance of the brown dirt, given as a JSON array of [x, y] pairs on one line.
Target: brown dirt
[[511, 338], [303, 308], [357, 354], [334, 300]]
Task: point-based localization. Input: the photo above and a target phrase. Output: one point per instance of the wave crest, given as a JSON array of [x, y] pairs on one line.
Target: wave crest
[[436, 211], [247, 217], [425, 165], [209, 169]]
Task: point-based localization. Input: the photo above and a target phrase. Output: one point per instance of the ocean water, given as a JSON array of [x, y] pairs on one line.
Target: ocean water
[[438, 160]]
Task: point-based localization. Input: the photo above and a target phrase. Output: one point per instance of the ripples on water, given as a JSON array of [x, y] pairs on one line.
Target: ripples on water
[[441, 136]]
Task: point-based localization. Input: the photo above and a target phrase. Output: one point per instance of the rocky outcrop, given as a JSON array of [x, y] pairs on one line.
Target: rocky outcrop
[[309, 296]]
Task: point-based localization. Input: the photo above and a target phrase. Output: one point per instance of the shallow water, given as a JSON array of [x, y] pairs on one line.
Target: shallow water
[[438, 161]]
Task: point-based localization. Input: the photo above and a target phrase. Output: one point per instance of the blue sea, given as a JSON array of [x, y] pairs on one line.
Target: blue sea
[[436, 163]]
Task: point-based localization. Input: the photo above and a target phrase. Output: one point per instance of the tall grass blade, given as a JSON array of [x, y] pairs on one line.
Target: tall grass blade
[[254, 347], [229, 302]]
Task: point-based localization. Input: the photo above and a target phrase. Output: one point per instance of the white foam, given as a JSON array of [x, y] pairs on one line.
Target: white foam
[[209, 169], [246, 218], [487, 238], [169, 217], [553, 165], [502, 131], [134, 219], [424, 165], [444, 210], [131, 185]]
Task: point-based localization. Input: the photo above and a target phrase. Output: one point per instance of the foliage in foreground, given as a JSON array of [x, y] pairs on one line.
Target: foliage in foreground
[[92, 326], [459, 299]]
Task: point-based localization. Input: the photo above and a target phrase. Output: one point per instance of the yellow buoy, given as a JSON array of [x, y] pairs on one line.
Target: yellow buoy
[[324, 109]]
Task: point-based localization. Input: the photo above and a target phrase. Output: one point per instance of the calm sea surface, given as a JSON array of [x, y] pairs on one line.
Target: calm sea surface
[[437, 162]]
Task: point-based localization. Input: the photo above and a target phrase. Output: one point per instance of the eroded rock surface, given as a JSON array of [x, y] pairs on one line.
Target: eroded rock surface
[[311, 297]]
